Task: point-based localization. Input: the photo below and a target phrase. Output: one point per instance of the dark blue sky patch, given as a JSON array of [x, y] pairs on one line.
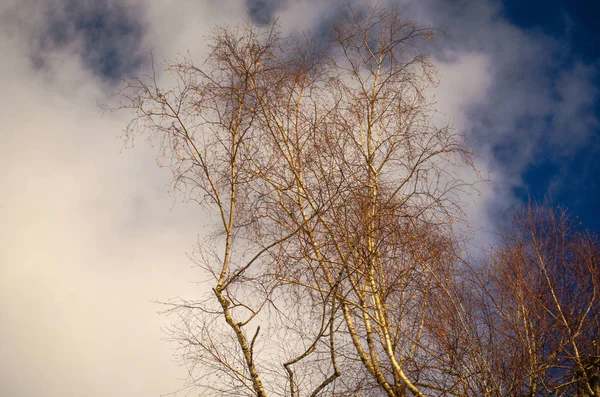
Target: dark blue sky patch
[[548, 15], [572, 183], [108, 35], [539, 180], [573, 180], [575, 20], [262, 12]]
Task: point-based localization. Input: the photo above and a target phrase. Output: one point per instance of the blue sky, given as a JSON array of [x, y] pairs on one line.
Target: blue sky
[[89, 234], [577, 175]]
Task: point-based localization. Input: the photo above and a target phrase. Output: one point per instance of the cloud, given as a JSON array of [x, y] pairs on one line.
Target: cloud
[[538, 101], [107, 35], [262, 12], [88, 235]]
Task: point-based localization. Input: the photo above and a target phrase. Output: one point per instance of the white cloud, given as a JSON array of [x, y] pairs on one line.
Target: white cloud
[[464, 80], [88, 238]]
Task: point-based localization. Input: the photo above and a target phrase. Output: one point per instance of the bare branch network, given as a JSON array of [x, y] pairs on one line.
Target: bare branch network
[[335, 261]]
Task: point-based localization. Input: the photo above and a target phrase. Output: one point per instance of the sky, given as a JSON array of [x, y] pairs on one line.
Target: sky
[[90, 237]]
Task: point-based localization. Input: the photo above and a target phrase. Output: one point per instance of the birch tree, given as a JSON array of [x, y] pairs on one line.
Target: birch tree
[[334, 193], [542, 292]]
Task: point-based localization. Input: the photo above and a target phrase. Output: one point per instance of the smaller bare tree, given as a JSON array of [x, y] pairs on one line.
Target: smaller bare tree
[[540, 307]]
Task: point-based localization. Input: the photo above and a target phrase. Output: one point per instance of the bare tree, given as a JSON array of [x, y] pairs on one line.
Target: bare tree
[[334, 192], [537, 310]]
